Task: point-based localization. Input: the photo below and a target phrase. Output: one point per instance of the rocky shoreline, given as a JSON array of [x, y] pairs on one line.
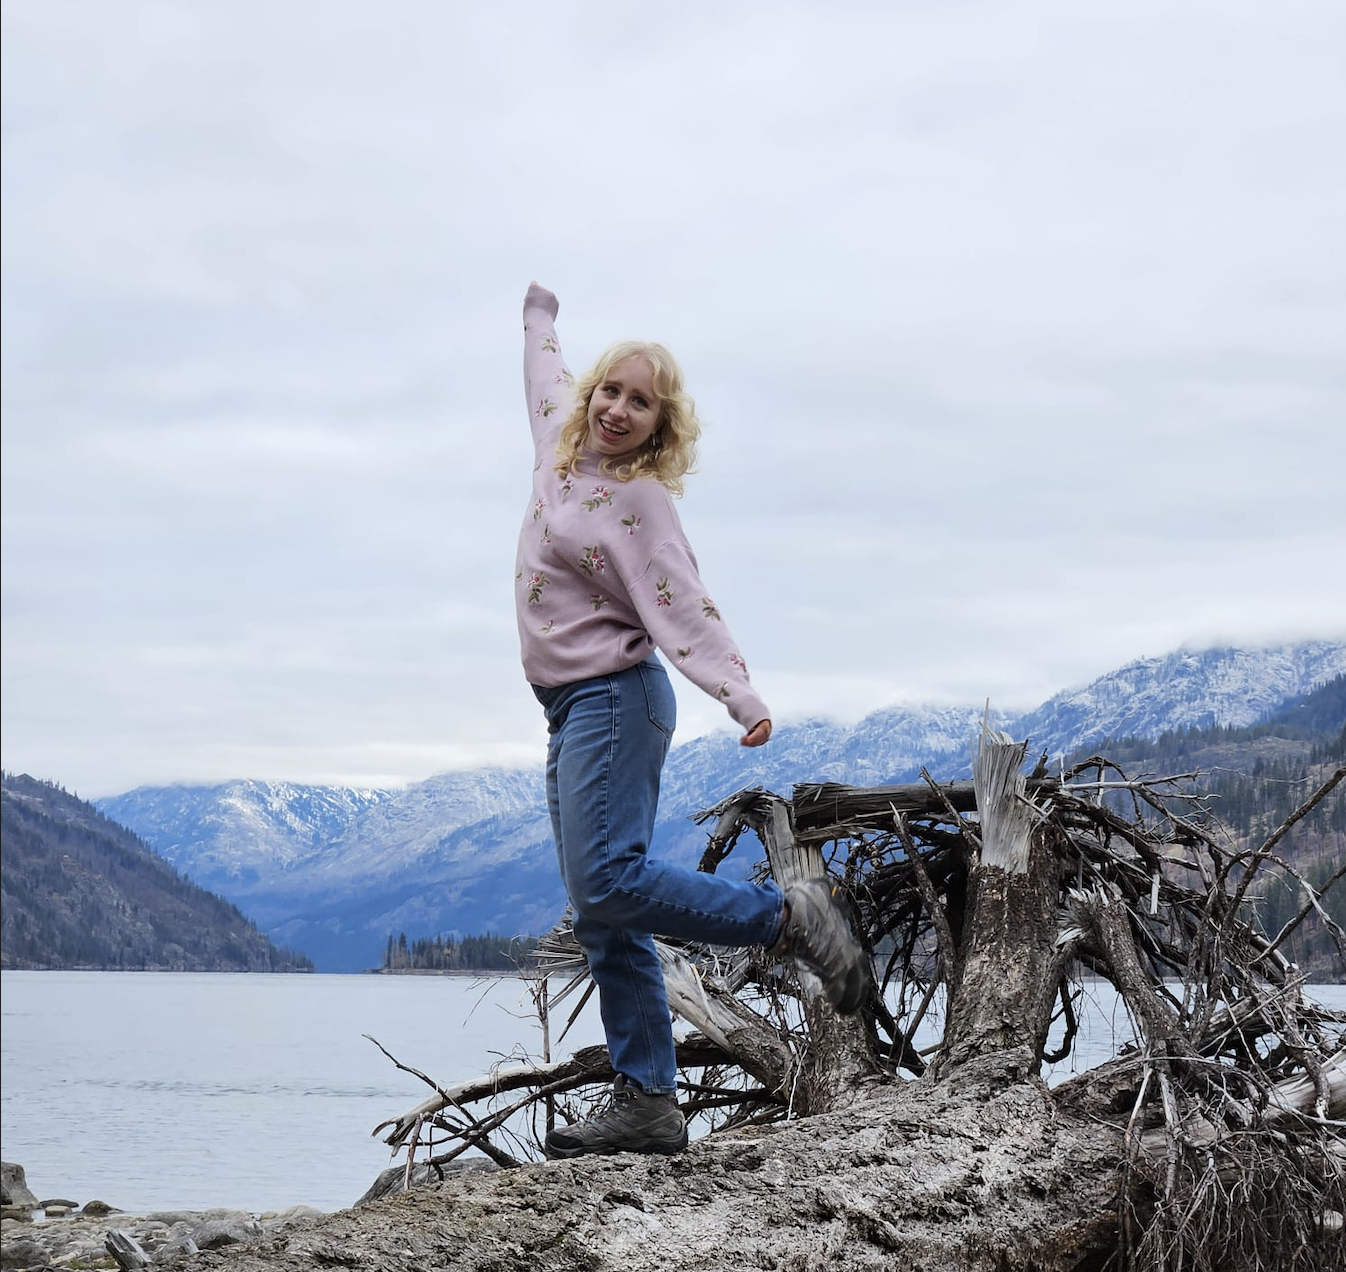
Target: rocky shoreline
[[37, 1235], [40, 1233]]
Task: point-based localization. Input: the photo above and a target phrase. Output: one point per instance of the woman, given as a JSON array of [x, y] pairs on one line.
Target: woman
[[605, 576]]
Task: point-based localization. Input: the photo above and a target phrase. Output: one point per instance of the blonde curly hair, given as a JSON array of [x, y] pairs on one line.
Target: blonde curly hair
[[670, 453]]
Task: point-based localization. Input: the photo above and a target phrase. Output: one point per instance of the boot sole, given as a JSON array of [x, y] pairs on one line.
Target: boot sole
[[663, 1148]]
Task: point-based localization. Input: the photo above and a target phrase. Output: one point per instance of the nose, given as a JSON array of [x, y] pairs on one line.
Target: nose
[[618, 407]]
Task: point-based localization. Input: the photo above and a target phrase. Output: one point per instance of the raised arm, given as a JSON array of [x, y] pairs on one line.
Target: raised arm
[[547, 381]]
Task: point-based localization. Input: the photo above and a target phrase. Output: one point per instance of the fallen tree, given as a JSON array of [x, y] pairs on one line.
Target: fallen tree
[[920, 1132]]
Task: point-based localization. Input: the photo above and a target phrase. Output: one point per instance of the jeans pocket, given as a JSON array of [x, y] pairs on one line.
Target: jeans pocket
[[659, 699]]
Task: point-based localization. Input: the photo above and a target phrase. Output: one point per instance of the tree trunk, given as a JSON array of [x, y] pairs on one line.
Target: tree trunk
[[1005, 981]]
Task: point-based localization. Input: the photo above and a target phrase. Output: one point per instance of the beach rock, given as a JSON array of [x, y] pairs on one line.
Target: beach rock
[[182, 1243], [214, 1234], [14, 1189], [58, 1203], [22, 1252], [394, 1179]]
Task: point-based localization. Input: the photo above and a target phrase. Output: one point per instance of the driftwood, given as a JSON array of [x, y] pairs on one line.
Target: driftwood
[[986, 904], [126, 1251]]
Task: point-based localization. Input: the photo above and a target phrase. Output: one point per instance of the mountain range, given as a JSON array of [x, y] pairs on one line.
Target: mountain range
[[336, 871]]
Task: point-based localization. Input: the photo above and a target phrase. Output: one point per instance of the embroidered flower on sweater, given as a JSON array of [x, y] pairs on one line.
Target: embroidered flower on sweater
[[597, 600], [684, 653], [664, 595], [546, 407], [632, 523], [545, 629], [592, 561], [564, 376], [546, 536], [566, 487], [737, 660], [536, 582], [538, 507], [708, 609], [722, 691], [549, 345], [601, 495]]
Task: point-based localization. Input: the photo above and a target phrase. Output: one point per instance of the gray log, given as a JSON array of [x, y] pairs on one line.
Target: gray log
[[126, 1251]]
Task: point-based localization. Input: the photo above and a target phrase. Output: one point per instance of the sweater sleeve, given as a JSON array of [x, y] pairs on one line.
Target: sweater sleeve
[[682, 620], [548, 384]]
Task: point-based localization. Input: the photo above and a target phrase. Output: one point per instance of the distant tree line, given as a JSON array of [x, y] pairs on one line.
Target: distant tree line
[[485, 953]]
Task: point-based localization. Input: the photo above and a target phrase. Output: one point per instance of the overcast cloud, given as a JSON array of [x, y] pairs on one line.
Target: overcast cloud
[[1018, 330]]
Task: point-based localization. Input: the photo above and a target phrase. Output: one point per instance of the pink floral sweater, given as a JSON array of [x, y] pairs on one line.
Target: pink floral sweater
[[604, 572]]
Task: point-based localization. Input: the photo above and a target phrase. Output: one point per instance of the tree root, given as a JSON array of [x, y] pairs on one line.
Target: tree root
[[1228, 1110]]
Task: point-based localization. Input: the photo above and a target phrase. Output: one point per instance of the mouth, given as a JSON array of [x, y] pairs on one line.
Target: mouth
[[610, 433]]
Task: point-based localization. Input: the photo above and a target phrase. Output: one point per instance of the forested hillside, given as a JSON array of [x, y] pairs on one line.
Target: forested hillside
[[79, 891], [1255, 778]]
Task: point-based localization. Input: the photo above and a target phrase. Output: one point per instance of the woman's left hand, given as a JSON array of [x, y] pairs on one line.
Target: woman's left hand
[[757, 735]]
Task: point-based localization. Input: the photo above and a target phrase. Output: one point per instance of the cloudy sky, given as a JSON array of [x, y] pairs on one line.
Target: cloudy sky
[[1018, 329]]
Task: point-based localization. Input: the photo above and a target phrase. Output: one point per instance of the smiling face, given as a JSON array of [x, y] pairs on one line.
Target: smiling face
[[624, 410]]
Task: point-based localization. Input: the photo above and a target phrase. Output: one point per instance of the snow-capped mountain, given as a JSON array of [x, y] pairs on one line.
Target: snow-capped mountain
[[334, 872], [1185, 689]]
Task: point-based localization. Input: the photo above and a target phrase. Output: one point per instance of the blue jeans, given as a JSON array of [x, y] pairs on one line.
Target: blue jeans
[[608, 740]]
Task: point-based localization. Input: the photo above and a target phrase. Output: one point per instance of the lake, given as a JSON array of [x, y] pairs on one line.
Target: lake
[[155, 1090], [161, 1091]]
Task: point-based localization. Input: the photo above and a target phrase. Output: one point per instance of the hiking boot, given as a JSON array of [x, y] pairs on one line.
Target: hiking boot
[[817, 934], [632, 1123]]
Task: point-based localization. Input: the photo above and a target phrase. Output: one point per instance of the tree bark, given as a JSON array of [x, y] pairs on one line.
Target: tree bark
[[1003, 989]]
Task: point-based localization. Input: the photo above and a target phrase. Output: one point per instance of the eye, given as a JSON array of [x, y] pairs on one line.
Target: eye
[[609, 389], [640, 401]]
